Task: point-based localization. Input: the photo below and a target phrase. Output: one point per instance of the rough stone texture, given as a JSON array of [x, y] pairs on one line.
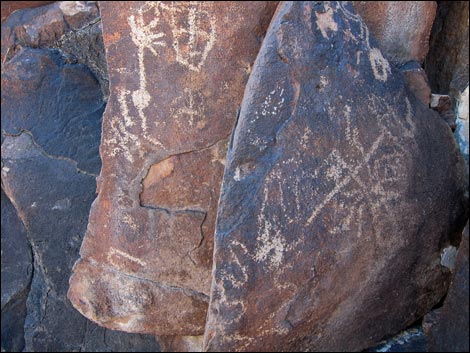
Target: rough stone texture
[[447, 61], [181, 343], [17, 268], [66, 118], [147, 255], [73, 27], [447, 328], [336, 200], [7, 7], [442, 104], [43, 26], [51, 127], [401, 28], [417, 81]]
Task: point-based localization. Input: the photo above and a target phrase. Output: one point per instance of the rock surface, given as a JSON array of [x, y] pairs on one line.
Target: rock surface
[[181, 343], [401, 28], [336, 200], [7, 7], [447, 328], [442, 104], [417, 81], [51, 128], [73, 27], [147, 255], [17, 270], [447, 60]]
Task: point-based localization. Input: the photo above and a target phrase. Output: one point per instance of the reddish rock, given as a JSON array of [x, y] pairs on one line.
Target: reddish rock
[[401, 28], [44, 26], [447, 328], [177, 73], [337, 198], [7, 7], [447, 60]]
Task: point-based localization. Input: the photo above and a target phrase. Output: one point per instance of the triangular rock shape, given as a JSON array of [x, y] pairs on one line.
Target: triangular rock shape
[[339, 192]]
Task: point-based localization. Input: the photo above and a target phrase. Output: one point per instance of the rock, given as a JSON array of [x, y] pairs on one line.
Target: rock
[[442, 104], [68, 123], [401, 28], [447, 60], [99, 339], [72, 27], [180, 343], [17, 270], [146, 259], [9, 6], [336, 199], [51, 127], [417, 81], [447, 328], [43, 26]]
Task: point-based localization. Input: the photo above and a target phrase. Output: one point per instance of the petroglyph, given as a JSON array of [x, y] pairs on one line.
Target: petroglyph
[[326, 22], [129, 221], [192, 43], [380, 66], [345, 181], [121, 254], [271, 243], [385, 170], [191, 109]]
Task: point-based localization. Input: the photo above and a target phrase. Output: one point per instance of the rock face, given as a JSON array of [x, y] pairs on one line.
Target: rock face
[[51, 128], [447, 61], [442, 104], [73, 27], [62, 127], [336, 199], [449, 329], [9, 6], [401, 28], [17, 269], [147, 255], [48, 164], [417, 81]]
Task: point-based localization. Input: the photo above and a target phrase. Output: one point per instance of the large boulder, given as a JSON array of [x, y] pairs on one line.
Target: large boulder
[[17, 271], [337, 198], [146, 259]]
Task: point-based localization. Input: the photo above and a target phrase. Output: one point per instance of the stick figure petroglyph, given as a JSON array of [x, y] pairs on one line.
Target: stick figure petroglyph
[[192, 43], [192, 36]]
